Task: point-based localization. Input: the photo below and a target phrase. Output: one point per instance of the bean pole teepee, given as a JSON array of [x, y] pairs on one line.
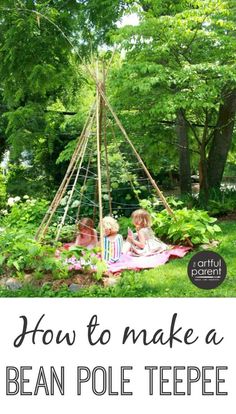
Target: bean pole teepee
[[94, 121]]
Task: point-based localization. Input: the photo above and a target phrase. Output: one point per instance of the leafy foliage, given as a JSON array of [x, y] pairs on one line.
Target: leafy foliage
[[25, 212], [196, 225], [2, 191], [193, 224], [20, 253], [179, 58], [89, 260], [223, 202], [27, 179]]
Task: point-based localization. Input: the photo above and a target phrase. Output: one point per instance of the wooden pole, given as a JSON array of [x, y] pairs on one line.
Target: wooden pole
[[108, 175], [72, 190], [83, 188], [105, 142], [162, 197], [168, 208], [57, 199], [99, 169], [70, 171], [101, 92], [95, 200], [126, 167]]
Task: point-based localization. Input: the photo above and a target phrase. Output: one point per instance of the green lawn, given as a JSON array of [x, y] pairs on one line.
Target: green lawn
[[170, 280]]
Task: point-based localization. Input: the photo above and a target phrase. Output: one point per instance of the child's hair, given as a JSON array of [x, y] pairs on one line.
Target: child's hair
[[87, 223], [142, 218], [111, 224]]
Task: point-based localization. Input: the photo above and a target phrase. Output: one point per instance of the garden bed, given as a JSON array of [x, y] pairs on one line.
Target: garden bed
[[74, 282]]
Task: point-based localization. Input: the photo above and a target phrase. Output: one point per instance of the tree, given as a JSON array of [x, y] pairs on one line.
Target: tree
[[41, 48], [222, 139], [181, 58], [184, 154]]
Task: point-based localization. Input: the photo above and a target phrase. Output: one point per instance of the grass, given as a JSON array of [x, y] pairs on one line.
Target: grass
[[170, 280]]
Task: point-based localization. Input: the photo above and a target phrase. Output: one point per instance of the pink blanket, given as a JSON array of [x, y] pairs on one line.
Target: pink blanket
[[131, 262], [136, 263]]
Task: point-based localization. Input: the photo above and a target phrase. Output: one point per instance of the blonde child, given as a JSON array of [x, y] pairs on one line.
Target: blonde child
[[87, 235], [144, 242], [112, 240]]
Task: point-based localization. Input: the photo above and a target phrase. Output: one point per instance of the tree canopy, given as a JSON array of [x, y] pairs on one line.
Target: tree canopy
[[180, 59], [172, 79]]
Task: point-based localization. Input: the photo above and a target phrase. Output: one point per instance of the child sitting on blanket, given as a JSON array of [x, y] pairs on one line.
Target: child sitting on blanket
[[87, 235], [144, 242], [112, 241]]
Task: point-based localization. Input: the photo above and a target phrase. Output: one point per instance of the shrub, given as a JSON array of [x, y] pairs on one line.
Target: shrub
[[195, 225], [220, 202], [24, 212], [21, 253], [28, 179]]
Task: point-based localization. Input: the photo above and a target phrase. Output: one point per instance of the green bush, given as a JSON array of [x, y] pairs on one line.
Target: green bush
[[24, 212], [221, 202], [28, 179], [195, 225], [20, 253]]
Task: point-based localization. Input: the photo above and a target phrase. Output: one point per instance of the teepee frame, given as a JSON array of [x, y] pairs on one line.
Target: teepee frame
[[98, 113]]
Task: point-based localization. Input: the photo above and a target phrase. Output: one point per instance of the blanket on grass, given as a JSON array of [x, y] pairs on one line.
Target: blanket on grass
[[128, 262]]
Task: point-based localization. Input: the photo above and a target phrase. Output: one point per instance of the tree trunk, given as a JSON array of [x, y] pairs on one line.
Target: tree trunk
[[203, 176], [184, 154], [222, 140]]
